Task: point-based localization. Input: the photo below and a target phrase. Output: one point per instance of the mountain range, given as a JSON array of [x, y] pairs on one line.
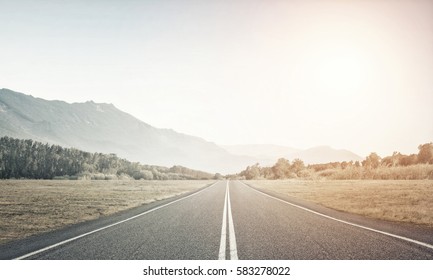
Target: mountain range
[[101, 127], [267, 154]]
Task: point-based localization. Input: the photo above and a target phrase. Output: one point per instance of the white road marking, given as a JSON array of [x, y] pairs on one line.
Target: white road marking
[[347, 223], [232, 237], [109, 226], [222, 252], [233, 249]]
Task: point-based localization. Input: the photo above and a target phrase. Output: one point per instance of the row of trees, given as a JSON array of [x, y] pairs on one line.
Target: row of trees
[[372, 167], [35, 160], [282, 169], [374, 161]]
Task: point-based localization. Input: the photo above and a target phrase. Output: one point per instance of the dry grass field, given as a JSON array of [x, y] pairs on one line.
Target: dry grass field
[[28, 207], [408, 201]]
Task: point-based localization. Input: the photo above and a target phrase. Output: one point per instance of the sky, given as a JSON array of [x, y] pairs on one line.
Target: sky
[[354, 75]]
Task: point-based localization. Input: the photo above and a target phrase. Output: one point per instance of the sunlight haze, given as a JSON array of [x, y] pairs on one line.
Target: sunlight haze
[[354, 75]]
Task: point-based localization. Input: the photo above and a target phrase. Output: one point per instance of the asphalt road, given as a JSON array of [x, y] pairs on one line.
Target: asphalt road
[[228, 220]]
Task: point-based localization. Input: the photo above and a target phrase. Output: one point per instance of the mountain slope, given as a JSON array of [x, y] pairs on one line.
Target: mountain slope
[[268, 154], [325, 154], [260, 150], [100, 127]]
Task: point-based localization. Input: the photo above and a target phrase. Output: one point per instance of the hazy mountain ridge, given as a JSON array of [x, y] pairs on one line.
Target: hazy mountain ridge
[[325, 154], [260, 150], [100, 127], [268, 154]]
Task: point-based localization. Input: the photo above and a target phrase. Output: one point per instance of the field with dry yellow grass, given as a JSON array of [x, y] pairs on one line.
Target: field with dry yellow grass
[[408, 201], [28, 207]]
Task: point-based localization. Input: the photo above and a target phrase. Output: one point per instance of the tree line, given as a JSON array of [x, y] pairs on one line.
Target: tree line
[[35, 160], [396, 166]]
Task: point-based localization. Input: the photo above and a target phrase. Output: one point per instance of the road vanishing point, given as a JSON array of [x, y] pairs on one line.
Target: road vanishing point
[[228, 220]]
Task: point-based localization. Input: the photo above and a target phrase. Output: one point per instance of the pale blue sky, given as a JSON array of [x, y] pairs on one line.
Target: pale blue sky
[[351, 74]]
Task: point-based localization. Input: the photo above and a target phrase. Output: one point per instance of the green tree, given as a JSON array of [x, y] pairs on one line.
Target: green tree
[[425, 154], [372, 161], [408, 160], [251, 172], [297, 166], [281, 169]]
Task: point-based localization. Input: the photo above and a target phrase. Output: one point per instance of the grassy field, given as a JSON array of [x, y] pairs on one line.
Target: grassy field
[[28, 207], [408, 201]]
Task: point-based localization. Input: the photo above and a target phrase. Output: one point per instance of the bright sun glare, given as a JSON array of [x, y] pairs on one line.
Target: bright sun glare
[[340, 72]]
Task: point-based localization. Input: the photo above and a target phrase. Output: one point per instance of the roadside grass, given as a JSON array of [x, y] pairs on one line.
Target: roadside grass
[[391, 200], [411, 172], [28, 207]]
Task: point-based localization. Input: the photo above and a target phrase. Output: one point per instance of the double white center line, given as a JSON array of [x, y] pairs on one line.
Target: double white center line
[[227, 212]]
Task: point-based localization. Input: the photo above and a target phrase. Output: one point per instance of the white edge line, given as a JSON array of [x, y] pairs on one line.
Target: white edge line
[[345, 222], [105, 227], [222, 251], [233, 248]]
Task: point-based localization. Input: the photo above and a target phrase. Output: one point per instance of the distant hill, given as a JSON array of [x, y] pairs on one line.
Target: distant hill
[[325, 154], [100, 127], [268, 154]]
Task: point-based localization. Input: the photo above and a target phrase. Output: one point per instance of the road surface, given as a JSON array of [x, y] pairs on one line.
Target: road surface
[[228, 220]]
